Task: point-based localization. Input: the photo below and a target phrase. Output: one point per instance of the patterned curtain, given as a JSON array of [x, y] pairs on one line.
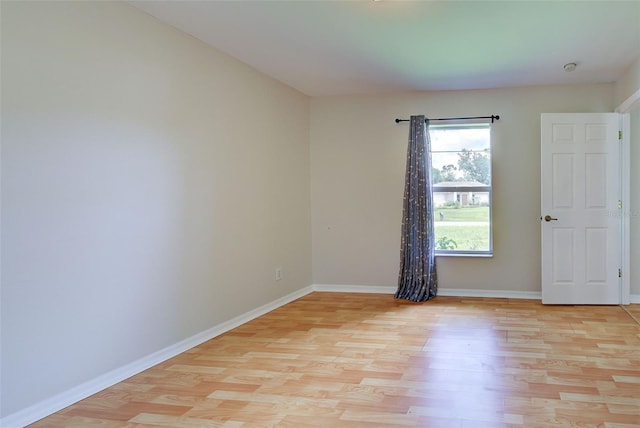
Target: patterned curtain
[[417, 280]]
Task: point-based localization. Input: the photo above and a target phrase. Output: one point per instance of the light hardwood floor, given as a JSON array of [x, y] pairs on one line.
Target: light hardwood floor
[[367, 360]]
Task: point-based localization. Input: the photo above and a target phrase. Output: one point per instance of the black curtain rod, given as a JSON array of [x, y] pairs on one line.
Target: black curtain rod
[[492, 117]]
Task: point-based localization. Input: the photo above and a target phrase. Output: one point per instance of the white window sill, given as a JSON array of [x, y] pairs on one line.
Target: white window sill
[[476, 255]]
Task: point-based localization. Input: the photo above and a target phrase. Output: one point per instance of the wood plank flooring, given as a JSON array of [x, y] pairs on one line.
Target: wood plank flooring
[[367, 360]]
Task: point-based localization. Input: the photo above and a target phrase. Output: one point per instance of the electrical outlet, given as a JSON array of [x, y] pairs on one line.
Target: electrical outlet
[[278, 273]]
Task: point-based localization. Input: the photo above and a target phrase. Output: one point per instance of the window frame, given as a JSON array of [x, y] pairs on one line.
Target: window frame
[[477, 189]]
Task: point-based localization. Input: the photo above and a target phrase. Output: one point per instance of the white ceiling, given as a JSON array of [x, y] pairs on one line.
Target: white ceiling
[[366, 47]]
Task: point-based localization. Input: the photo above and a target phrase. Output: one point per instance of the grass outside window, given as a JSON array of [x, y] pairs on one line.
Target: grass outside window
[[462, 229]]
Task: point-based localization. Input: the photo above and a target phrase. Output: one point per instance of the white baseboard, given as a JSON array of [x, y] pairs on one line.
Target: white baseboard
[[455, 292], [370, 289], [496, 294], [58, 402]]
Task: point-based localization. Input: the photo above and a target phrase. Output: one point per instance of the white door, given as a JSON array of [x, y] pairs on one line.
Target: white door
[[580, 218]]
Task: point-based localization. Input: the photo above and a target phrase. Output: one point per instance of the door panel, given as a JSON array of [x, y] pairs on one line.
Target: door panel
[[580, 193], [562, 176]]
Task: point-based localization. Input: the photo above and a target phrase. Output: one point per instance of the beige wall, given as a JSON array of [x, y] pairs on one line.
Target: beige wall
[[150, 185], [357, 173], [629, 83]]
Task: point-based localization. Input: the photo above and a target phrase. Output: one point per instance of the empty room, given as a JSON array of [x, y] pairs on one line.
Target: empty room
[[320, 213]]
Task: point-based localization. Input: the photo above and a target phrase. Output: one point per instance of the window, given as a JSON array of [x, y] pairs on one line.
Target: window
[[461, 172]]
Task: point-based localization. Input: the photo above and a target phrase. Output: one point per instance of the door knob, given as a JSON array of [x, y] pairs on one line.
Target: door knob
[[549, 218]]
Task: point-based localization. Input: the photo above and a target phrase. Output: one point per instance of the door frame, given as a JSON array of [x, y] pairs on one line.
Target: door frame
[[624, 110]]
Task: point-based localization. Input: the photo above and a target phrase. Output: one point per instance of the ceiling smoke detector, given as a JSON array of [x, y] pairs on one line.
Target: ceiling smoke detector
[[569, 67]]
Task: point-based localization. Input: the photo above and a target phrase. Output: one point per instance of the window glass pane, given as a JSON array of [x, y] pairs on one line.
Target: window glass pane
[[460, 153], [456, 138], [462, 167], [462, 221]]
